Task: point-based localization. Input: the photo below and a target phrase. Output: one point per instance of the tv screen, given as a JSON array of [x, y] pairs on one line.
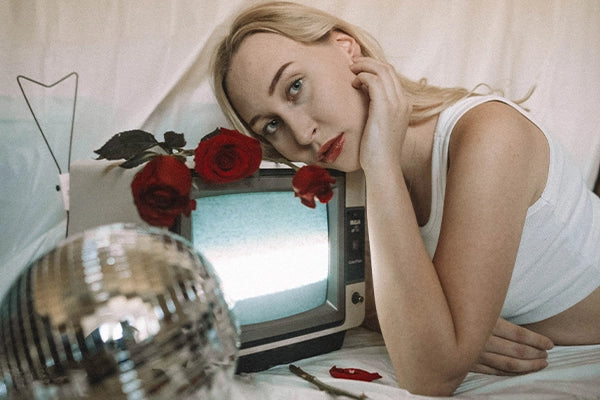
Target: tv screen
[[293, 275], [289, 273]]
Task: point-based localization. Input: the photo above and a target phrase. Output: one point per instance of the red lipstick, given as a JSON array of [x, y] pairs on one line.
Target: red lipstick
[[331, 150]]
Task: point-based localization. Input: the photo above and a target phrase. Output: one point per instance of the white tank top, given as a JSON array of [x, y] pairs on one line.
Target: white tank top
[[558, 261]]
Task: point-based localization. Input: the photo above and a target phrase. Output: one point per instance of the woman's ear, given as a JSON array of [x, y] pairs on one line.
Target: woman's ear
[[346, 43]]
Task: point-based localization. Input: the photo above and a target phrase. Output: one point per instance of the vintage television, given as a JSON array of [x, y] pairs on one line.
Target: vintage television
[[294, 275]]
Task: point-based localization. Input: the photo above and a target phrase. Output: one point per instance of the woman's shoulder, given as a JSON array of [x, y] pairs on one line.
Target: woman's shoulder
[[496, 123], [493, 115], [496, 136]]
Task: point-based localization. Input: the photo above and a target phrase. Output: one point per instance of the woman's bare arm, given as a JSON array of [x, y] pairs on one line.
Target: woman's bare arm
[[510, 350], [436, 315]]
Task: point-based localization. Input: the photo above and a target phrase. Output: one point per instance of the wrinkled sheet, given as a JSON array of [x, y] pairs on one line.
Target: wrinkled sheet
[[572, 373]]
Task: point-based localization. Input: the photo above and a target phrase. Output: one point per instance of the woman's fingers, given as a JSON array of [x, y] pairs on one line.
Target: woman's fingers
[[513, 350], [503, 357], [500, 365], [518, 334], [378, 79], [389, 113], [509, 348]]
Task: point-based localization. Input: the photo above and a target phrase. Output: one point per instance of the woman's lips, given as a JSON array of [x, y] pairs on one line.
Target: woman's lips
[[331, 150]]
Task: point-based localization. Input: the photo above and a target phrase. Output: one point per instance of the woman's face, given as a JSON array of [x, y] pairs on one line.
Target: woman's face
[[300, 97]]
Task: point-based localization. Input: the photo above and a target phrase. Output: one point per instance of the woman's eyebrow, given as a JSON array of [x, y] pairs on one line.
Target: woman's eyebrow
[[276, 77]]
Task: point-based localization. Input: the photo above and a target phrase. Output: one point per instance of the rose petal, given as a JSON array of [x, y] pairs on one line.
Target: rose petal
[[354, 374]]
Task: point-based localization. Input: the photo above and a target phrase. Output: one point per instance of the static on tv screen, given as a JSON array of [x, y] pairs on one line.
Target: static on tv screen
[[270, 252]]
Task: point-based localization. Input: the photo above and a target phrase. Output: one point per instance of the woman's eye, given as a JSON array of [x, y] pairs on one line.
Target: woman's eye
[[294, 89], [270, 128]]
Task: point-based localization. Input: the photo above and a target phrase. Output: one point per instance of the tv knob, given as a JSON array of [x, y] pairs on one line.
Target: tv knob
[[357, 298]]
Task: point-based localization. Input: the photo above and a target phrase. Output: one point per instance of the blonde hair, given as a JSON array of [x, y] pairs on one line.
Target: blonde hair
[[310, 25]]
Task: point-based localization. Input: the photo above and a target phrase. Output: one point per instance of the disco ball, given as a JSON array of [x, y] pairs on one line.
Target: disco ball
[[117, 312]]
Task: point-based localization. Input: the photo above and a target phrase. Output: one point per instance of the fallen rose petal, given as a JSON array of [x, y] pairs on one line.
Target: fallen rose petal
[[353, 373]]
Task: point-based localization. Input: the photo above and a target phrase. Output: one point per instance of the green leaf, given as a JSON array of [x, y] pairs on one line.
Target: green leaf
[[138, 159], [126, 145], [174, 140]]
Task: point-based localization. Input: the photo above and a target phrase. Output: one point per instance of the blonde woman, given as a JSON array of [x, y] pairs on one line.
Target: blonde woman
[[475, 215]]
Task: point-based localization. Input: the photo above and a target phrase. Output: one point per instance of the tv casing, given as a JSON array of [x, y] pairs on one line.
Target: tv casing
[[321, 329], [100, 194]]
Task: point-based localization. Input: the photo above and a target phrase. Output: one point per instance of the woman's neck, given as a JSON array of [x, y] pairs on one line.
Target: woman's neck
[[416, 166]]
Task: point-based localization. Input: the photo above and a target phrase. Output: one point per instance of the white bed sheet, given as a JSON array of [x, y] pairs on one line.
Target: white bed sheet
[[573, 372]]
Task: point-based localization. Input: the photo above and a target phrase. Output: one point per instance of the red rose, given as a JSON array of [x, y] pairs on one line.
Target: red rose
[[161, 191], [227, 157], [311, 181]]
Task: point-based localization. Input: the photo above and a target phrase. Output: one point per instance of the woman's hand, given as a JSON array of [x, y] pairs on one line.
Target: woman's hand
[[389, 112], [512, 350]]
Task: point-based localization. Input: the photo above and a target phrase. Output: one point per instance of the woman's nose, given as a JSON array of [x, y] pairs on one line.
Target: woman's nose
[[303, 129]]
